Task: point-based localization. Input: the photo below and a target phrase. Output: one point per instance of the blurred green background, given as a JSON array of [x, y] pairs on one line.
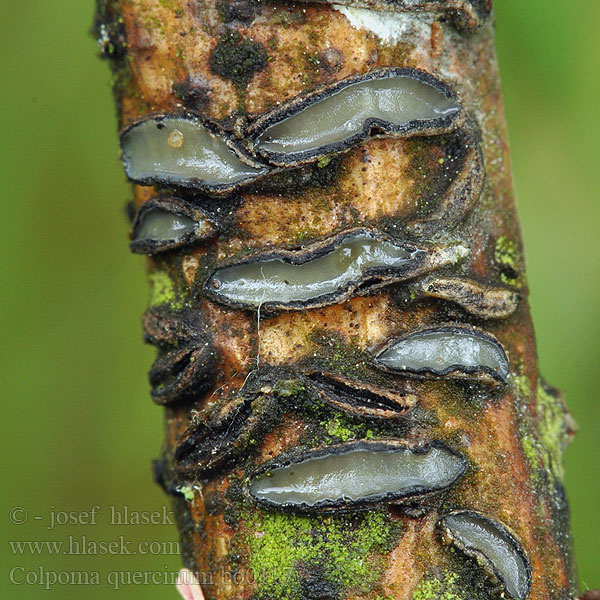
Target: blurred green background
[[78, 427]]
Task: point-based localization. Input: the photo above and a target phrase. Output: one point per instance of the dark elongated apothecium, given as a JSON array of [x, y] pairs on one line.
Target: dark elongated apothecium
[[325, 272], [361, 398], [179, 150], [356, 474], [491, 544], [165, 223], [185, 363], [402, 102], [447, 351]]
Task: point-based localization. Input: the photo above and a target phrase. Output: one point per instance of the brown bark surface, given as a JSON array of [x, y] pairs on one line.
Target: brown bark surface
[[253, 402]]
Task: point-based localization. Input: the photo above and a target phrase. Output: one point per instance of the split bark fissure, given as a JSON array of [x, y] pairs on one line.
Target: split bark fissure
[[250, 391]]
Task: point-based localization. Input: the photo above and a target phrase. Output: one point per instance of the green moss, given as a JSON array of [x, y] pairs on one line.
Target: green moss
[[162, 290], [188, 492], [336, 428], [237, 59], [447, 588], [344, 549], [285, 388]]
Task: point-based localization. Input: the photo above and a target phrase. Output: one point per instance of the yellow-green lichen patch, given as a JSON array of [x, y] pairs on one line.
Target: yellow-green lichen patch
[[162, 290], [552, 429], [544, 441], [343, 551], [522, 386], [509, 260]]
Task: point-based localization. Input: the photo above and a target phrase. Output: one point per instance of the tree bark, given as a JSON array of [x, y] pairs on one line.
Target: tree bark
[[251, 387]]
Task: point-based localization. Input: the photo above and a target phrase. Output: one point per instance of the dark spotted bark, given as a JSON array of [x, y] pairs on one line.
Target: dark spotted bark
[[345, 352]]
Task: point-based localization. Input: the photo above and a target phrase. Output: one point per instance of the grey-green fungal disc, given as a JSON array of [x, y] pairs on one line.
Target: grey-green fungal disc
[[278, 281], [359, 474], [181, 150], [479, 536], [333, 119], [444, 350], [161, 225]]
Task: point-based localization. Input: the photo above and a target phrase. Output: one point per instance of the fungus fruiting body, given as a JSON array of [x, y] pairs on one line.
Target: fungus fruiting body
[[475, 298], [324, 273], [492, 545], [446, 351], [185, 363], [357, 474], [357, 397], [462, 194], [180, 150], [396, 102], [164, 223], [338, 300]]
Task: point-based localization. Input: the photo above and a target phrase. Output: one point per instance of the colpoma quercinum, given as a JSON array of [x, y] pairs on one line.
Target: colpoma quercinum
[[345, 354]]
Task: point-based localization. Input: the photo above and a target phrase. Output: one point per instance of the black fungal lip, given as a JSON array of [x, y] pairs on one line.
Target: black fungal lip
[[164, 476], [185, 364], [194, 183], [362, 398], [463, 192], [480, 372], [437, 126], [477, 554], [372, 278], [415, 493], [465, 14], [211, 445], [175, 206]]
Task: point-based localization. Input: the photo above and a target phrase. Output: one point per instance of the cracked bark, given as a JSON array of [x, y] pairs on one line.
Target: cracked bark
[[241, 388]]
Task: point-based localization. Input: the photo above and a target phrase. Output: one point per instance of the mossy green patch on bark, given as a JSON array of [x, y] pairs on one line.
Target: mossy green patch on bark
[[340, 428], [552, 428], [509, 259], [344, 550], [162, 290], [439, 589], [544, 440]]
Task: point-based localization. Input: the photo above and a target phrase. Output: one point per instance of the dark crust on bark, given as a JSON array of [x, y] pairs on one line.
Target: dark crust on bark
[[412, 128], [176, 206], [480, 373], [417, 492], [164, 475], [187, 367], [372, 278], [478, 555]]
